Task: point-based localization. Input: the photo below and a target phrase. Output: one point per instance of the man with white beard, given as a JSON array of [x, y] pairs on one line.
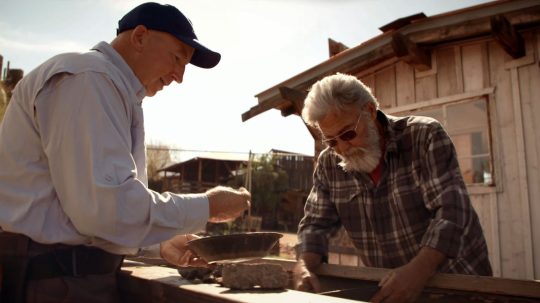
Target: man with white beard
[[395, 185]]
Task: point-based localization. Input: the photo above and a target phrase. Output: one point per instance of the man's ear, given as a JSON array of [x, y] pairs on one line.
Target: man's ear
[[138, 37], [372, 110]]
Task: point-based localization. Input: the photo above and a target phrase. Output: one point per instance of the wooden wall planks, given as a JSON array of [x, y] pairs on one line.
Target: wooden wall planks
[[509, 211]]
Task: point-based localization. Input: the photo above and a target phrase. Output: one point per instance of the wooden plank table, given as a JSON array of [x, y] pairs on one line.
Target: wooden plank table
[[442, 288], [139, 282]]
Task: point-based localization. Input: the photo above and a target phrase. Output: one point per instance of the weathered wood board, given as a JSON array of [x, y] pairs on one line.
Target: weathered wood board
[[141, 282]]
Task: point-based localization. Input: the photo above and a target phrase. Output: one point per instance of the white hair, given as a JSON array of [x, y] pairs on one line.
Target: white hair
[[335, 93]]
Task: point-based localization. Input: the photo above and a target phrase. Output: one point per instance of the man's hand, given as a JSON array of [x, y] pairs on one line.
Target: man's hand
[[177, 253], [405, 283], [303, 277], [304, 280], [227, 203]]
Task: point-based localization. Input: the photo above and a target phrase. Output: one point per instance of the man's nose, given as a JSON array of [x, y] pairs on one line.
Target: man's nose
[[178, 73], [342, 146]]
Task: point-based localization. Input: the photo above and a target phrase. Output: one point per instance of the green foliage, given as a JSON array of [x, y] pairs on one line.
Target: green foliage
[[269, 183]]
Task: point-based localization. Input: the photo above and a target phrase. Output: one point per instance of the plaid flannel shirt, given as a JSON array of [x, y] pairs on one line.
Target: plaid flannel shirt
[[420, 200]]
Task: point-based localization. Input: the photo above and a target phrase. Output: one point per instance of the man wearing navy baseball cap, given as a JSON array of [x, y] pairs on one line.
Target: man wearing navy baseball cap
[[167, 23], [169, 19], [74, 196]]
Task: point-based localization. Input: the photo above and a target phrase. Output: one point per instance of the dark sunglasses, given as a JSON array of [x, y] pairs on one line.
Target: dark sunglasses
[[346, 135]]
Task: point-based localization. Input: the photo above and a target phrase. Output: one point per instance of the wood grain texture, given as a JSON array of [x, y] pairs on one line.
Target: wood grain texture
[[488, 285], [140, 282], [145, 283], [385, 87]]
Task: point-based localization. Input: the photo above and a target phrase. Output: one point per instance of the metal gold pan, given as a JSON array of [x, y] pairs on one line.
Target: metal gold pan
[[234, 247]]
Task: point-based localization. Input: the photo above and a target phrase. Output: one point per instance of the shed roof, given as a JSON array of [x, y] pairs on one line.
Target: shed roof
[[211, 156], [463, 24]]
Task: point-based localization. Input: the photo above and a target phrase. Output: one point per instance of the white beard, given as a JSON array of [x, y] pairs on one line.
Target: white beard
[[363, 159]]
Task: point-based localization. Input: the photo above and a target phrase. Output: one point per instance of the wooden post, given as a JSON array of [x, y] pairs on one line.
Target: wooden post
[[335, 47], [410, 52], [507, 36], [296, 97]]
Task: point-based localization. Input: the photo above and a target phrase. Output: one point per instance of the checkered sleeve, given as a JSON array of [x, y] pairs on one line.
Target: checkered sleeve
[[444, 192], [320, 220]]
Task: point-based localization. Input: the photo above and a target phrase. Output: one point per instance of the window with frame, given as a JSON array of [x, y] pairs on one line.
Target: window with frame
[[467, 124]]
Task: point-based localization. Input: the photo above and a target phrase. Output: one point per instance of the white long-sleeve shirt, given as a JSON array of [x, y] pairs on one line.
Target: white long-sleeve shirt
[[72, 159]]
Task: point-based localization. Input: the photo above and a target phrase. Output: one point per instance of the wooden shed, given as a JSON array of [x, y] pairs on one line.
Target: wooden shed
[[198, 174], [477, 71]]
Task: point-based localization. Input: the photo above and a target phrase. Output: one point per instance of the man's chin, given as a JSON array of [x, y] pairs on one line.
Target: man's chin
[[365, 164], [151, 92]]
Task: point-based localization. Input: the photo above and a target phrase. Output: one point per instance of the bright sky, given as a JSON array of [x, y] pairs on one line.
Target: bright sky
[[262, 43]]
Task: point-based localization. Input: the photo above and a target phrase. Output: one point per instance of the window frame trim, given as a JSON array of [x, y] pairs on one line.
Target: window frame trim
[[473, 188], [440, 101]]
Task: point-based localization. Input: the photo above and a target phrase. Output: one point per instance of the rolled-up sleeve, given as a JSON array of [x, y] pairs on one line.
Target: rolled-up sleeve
[[84, 122], [445, 194]]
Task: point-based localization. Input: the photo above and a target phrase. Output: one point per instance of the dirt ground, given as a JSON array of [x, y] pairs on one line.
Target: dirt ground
[[287, 245]]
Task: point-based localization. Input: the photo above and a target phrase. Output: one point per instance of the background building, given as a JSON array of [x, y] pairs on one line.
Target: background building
[[477, 71]]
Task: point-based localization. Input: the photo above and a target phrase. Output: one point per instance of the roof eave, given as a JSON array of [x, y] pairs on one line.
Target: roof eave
[[432, 30]]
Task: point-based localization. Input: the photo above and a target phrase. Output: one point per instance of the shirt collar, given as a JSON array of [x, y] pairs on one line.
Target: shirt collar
[[109, 52], [392, 128]]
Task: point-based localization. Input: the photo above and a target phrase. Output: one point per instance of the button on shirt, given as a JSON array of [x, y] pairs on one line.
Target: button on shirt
[[420, 200], [72, 159]]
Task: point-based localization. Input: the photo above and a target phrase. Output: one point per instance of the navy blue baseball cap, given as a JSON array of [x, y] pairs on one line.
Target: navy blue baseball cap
[[167, 18]]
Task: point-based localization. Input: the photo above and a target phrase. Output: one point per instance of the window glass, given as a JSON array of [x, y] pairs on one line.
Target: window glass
[[467, 124]]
